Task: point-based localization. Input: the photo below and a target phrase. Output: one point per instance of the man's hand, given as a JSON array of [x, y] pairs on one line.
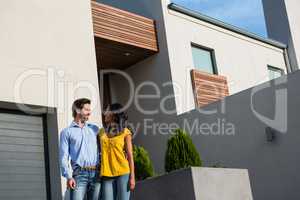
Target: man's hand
[[71, 183]]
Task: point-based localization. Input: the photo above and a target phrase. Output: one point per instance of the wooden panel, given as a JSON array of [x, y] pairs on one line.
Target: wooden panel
[[208, 88], [121, 26]]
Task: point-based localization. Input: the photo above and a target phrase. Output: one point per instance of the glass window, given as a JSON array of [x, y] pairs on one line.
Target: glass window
[[203, 59], [274, 72]]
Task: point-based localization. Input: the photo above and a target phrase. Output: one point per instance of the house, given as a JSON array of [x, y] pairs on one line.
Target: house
[[159, 59]]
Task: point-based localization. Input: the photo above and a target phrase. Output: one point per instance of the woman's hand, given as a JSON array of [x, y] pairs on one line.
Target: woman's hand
[[130, 160], [132, 183]]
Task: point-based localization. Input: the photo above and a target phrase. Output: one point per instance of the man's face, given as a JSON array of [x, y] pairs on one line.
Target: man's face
[[85, 112]]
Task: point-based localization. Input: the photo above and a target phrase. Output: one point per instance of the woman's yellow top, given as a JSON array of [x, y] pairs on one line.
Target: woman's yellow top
[[113, 155]]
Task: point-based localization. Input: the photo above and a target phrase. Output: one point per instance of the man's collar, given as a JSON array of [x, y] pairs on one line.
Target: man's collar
[[75, 124]]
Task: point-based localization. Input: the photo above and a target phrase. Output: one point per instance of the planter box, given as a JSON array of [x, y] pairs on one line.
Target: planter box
[[196, 183]]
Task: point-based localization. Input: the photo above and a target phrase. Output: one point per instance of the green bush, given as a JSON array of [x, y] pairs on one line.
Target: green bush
[[142, 163], [181, 152], [217, 165]]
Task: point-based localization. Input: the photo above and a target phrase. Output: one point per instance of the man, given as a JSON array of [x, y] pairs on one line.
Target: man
[[79, 143]]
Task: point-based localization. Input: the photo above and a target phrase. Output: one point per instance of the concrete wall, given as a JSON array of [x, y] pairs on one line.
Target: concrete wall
[[176, 185], [196, 183], [241, 59], [282, 20], [236, 138], [219, 183], [47, 55]]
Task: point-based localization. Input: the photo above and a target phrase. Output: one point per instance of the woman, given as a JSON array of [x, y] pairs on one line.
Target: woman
[[117, 165]]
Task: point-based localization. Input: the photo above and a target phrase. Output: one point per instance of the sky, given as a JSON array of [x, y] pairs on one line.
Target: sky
[[245, 14]]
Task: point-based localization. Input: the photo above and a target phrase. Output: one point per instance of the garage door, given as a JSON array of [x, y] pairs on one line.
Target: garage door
[[22, 162]]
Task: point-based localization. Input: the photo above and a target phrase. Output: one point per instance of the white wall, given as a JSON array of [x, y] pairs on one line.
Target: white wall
[[47, 55], [47, 35], [241, 59]]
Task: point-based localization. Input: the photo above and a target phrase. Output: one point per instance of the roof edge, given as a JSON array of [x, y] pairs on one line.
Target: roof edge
[[198, 15]]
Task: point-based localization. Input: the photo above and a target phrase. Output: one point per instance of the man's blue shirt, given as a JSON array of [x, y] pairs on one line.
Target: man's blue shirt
[[79, 145]]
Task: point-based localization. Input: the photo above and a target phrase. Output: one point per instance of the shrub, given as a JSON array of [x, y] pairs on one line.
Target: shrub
[[217, 165], [181, 152], [142, 163]]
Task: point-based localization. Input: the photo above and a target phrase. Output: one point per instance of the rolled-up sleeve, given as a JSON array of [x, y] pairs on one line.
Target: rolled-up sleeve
[[64, 154], [95, 128]]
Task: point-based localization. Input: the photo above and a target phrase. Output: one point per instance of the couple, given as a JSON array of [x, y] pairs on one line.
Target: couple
[[102, 166]]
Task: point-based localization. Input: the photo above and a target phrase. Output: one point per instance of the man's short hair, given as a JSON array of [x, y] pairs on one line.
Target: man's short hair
[[78, 105]]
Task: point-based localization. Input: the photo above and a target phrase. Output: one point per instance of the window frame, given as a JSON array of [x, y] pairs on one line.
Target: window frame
[[212, 56], [276, 68]]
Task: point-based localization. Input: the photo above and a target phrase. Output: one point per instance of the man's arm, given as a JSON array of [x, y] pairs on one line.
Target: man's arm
[[64, 154]]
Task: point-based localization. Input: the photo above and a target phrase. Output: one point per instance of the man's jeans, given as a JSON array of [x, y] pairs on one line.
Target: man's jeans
[[88, 185]]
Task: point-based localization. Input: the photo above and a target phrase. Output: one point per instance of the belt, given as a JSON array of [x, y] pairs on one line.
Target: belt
[[89, 168]]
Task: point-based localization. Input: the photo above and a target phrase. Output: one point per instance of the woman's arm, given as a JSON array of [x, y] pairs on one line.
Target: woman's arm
[[129, 152]]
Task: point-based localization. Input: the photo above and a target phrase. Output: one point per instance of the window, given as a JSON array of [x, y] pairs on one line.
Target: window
[[204, 59], [274, 72]]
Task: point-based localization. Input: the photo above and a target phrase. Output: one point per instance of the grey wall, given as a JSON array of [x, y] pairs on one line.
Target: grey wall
[[277, 19], [278, 26], [273, 166], [176, 185], [53, 151]]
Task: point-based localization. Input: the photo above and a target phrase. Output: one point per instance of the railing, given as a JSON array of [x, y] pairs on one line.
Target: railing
[[208, 88], [121, 26]]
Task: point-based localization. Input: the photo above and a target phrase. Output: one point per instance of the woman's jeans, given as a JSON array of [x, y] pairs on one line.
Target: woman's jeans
[[88, 185], [116, 188]]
